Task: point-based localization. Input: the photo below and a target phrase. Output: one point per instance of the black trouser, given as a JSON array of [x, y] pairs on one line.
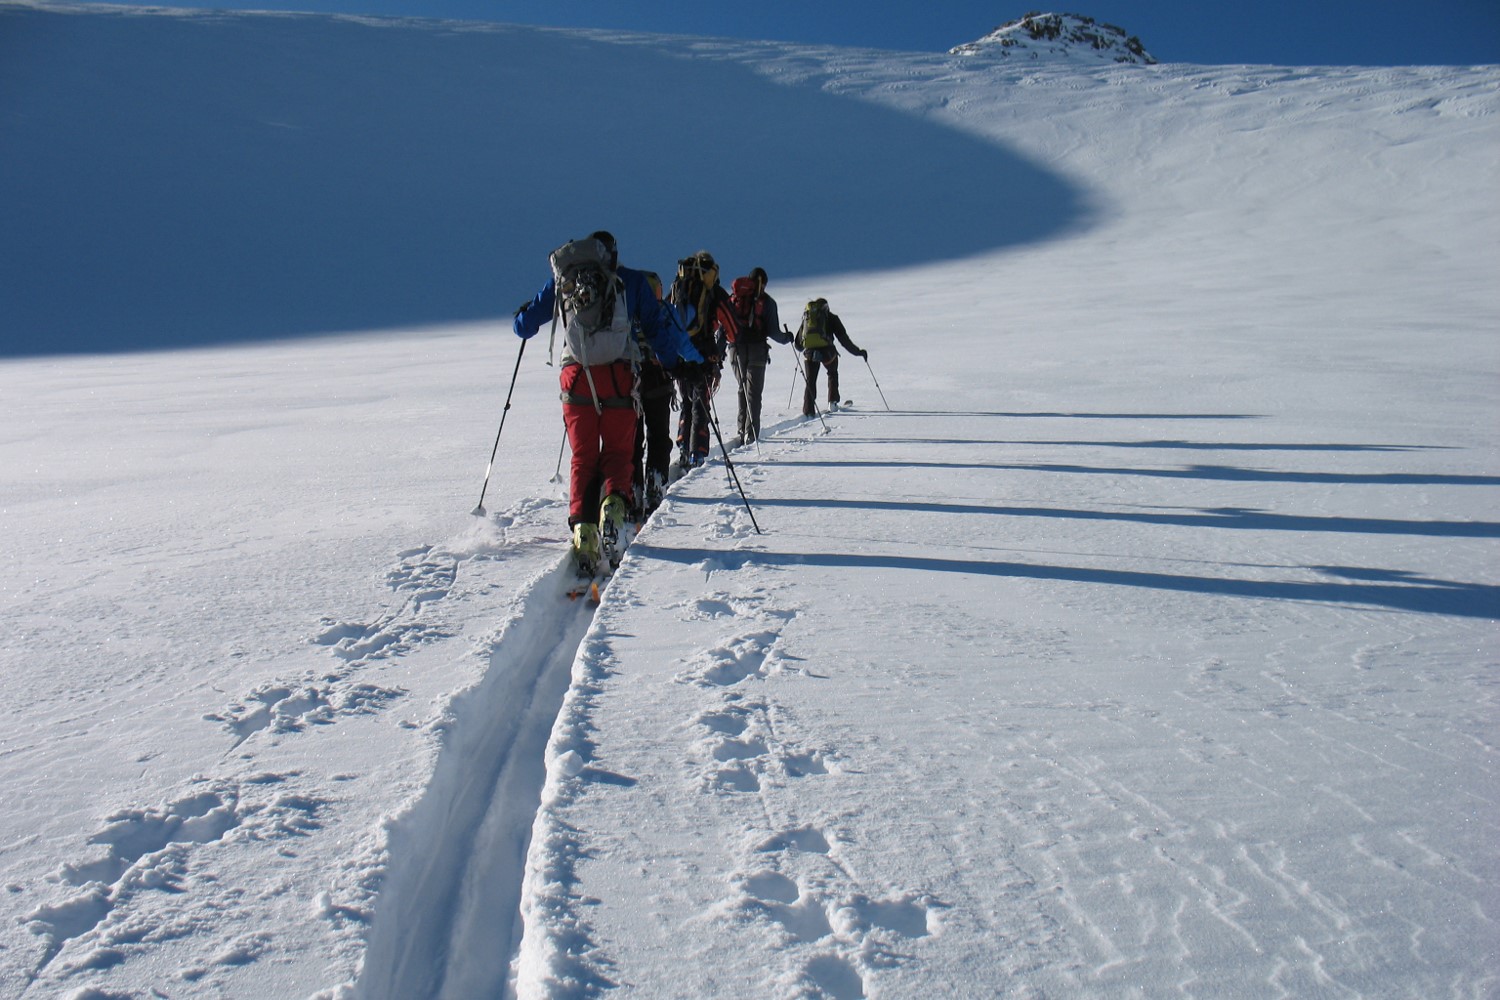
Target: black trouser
[[811, 359], [694, 399], [752, 380], [653, 438]]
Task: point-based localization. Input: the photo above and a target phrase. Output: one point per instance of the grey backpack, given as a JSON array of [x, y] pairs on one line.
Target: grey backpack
[[584, 284]]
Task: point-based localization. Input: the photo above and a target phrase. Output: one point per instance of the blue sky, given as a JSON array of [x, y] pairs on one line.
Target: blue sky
[[1286, 32]]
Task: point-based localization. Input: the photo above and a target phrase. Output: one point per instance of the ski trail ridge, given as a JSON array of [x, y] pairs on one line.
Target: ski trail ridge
[[457, 859]]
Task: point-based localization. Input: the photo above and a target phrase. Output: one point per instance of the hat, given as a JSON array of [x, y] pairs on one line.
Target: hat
[[608, 239]]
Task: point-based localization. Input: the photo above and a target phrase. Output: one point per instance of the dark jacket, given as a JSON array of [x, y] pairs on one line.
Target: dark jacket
[[834, 326], [752, 346]]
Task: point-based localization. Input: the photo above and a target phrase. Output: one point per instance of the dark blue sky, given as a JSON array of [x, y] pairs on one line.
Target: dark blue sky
[[1285, 32]]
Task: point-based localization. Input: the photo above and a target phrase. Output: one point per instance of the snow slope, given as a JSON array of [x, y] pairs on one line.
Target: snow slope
[[1143, 646]]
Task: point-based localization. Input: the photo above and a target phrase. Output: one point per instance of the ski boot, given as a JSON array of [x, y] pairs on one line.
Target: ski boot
[[586, 549], [612, 530], [586, 556], [656, 488]]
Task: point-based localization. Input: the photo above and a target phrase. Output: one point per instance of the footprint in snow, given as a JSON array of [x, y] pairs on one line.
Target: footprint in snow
[[778, 898], [358, 643], [744, 747], [424, 575], [832, 977], [806, 839], [730, 722], [746, 657], [734, 779], [908, 914], [148, 850], [290, 708], [741, 605], [733, 749]]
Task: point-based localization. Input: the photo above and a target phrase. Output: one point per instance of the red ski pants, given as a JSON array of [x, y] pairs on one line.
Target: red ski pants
[[601, 439]]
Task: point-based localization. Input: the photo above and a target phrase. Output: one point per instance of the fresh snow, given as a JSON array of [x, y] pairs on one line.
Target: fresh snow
[[1145, 646]]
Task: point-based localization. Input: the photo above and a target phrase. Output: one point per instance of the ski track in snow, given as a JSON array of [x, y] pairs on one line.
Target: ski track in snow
[[453, 892], [147, 853]]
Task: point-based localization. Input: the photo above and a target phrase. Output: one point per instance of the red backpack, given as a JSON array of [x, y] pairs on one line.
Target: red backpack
[[749, 311]]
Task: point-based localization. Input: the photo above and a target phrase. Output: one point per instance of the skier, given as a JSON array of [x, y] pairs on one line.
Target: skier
[[757, 323], [702, 307], [654, 396], [820, 327], [599, 305]]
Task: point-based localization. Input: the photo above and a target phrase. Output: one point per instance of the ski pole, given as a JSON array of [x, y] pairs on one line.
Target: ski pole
[[796, 365], [713, 420], [557, 475], [819, 414], [479, 510], [877, 383], [713, 409]]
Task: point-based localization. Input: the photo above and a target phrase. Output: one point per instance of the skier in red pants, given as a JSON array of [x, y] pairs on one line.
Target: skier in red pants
[[598, 305]]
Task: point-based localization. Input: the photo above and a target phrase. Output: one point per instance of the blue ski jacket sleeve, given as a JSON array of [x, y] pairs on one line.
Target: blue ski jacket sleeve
[[656, 320], [531, 316]]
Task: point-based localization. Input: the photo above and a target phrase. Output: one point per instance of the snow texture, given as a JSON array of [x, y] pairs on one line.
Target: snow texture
[[1143, 645]]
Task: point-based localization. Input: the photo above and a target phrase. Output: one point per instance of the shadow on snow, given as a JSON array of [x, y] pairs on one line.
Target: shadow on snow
[[1220, 473], [1377, 588], [209, 178], [1213, 517]]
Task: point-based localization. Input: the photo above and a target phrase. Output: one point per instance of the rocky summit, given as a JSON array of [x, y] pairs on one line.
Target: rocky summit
[[1067, 36]]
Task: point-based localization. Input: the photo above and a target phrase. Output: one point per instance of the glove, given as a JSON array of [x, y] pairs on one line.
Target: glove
[[864, 355]]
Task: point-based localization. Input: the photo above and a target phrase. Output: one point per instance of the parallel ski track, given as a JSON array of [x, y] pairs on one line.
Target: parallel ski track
[[449, 917]]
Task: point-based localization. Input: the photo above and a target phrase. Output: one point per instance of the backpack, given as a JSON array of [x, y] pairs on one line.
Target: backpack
[[815, 335], [687, 294], [583, 284], [749, 310]]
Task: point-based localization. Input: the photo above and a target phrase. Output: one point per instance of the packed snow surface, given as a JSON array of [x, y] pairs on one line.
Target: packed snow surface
[[1135, 635]]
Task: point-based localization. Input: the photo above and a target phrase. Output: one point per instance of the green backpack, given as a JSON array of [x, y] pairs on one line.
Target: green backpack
[[815, 335]]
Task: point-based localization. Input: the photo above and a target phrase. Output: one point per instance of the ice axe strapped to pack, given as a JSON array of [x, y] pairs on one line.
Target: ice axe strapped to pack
[[583, 283]]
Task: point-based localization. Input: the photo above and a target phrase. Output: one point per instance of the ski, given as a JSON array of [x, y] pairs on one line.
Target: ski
[[584, 582], [589, 587]]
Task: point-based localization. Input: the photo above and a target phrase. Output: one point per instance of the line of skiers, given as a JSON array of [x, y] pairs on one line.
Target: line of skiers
[[631, 353]]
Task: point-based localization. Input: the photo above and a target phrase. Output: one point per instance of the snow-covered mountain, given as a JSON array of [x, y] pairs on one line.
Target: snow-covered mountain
[[1072, 37], [1134, 634]]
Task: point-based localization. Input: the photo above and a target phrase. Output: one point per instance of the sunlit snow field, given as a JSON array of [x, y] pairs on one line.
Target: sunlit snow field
[[1136, 636]]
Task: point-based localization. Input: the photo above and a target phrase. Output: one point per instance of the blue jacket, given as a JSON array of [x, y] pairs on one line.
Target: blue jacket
[[658, 323]]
